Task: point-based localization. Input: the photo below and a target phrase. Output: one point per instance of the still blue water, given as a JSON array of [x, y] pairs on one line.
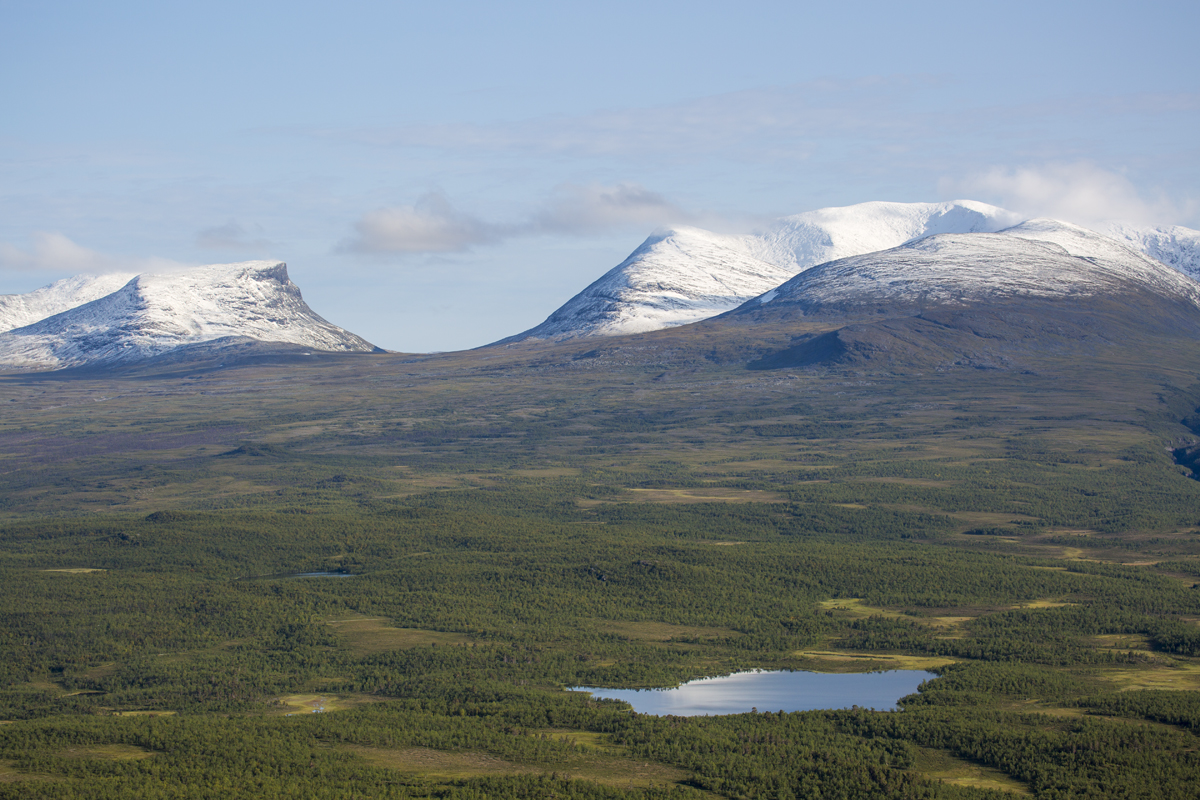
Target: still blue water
[[772, 691]]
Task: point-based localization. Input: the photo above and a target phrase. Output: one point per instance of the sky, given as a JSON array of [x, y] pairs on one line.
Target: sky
[[439, 176]]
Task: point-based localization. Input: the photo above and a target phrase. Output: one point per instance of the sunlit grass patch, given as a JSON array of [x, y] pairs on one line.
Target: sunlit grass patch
[[107, 752], [662, 631], [714, 494], [1044, 603], [77, 570], [365, 636], [308, 703], [438, 763], [598, 766], [547, 472], [1178, 674], [706, 495], [843, 661], [856, 608], [1120, 641], [10, 774], [588, 740], [940, 765], [927, 482], [43, 686]]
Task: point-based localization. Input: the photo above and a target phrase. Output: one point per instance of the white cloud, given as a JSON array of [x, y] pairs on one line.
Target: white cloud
[[591, 209], [52, 252], [433, 225], [1078, 192], [55, 253], [231, 236]]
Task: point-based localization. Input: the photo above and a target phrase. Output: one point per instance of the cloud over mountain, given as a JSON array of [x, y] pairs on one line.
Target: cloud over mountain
[[434, 225]]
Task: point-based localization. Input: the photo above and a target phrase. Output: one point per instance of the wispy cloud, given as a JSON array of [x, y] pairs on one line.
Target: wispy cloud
[[795, 123], [434, 225], [1079, 192], [595, 209], [232, 236], [790, 116], [54, 252], [431, 225]]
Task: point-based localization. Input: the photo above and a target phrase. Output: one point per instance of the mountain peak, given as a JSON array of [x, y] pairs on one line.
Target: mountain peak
[[152, 314], [1042, 258], [683, 274]]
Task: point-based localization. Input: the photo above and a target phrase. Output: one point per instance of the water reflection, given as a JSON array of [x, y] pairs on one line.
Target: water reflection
[[771, 691]]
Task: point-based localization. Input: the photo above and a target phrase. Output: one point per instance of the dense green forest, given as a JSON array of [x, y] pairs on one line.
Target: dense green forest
[[489, 529]]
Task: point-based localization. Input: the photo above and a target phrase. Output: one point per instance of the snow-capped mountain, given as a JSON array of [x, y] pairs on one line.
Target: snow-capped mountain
[[814, 237], [19, 310], [1173, 245], [1007, 300], [154, 314], [1038, 259], [686, 274], [675, 277]]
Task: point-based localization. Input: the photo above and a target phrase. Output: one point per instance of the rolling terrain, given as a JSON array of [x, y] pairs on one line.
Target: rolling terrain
[[971, 454]]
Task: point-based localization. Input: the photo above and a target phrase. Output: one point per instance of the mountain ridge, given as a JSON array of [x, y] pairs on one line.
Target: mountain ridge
[[19, 310], [153, 314], [683, 275]]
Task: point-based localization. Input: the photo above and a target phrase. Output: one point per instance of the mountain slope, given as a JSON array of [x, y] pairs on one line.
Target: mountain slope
[[675, 277], [814, 237], [1175, 246], [19, 310], [990, 300], [154, 314], [686, 274], [1037, 259]]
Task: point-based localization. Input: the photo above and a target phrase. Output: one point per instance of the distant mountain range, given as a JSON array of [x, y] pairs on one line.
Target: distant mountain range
[[684, 275], [113, 319], [861, 264]]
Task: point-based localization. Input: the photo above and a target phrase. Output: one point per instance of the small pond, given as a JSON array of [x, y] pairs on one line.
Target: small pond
[[321, 575], [771, 691]]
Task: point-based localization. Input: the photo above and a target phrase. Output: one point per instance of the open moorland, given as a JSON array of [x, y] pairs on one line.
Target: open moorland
[[494, 526]]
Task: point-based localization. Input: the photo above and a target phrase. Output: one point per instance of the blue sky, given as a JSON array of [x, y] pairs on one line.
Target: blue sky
[[441, 176]]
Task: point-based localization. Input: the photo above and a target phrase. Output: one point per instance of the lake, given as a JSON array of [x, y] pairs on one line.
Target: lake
[[771, 691]]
